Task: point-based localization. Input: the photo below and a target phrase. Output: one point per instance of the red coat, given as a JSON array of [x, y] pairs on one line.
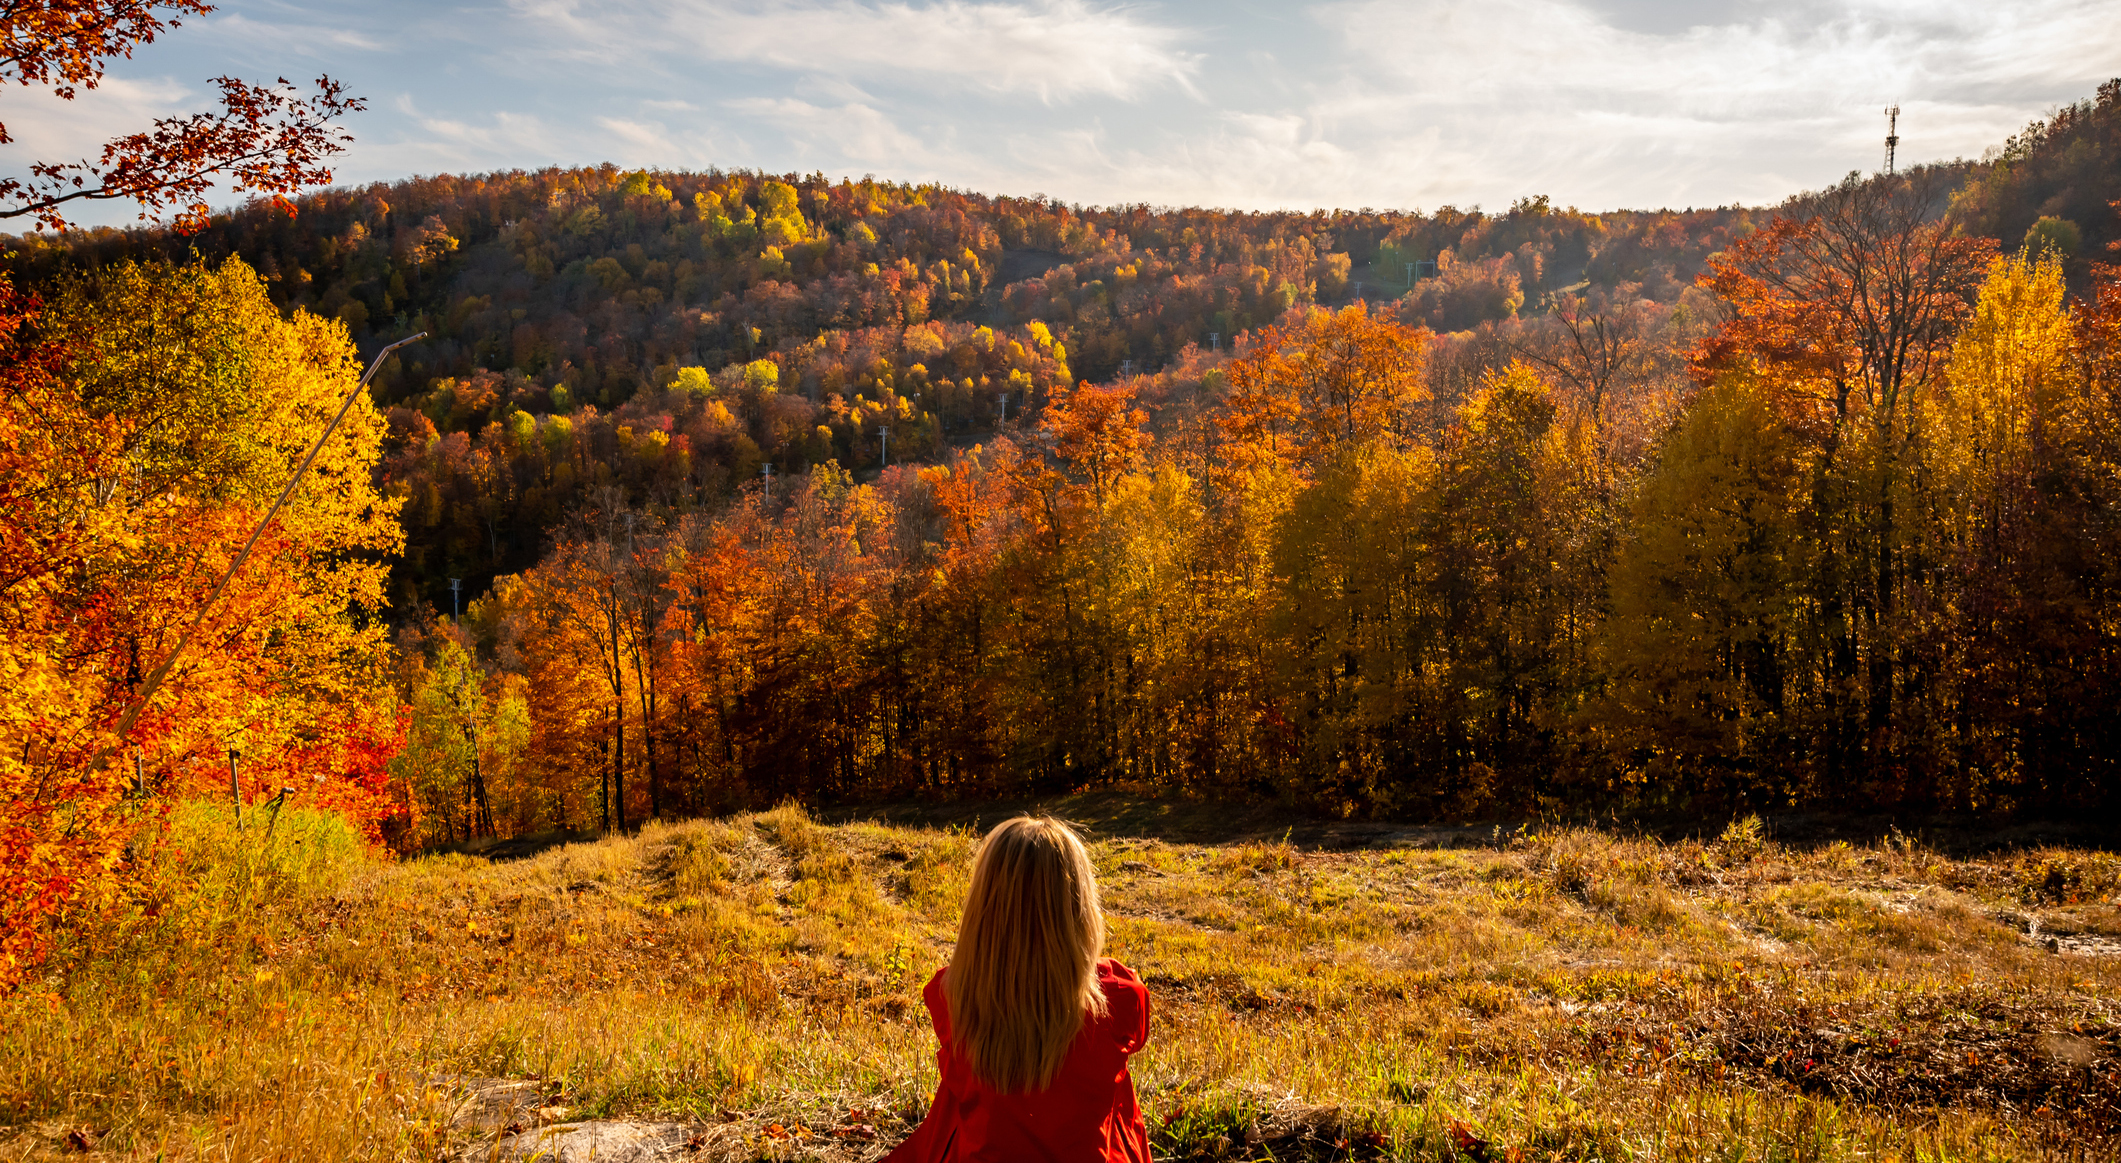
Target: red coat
[[1088, 1115]]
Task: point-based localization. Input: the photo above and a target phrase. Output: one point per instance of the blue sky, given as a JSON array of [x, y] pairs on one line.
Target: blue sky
[[1596, 103]]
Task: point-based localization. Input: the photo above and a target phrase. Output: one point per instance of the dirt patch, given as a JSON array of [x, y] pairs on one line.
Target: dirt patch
[[509, 1119], [1228, 991], [604, 1141]]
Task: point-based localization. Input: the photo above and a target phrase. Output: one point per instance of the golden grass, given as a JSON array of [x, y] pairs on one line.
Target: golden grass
[[1558, 995]]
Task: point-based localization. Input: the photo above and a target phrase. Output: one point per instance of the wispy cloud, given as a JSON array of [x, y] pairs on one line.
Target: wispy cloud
[[283, 36], [1245, 103], [1051, 49], [854, 132]]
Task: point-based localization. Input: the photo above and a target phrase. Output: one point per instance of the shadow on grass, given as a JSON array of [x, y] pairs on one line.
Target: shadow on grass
[[1124, 814], [1117, 814], [515, 847], [1120, 814]]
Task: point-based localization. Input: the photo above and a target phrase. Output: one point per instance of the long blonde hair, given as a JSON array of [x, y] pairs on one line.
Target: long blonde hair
[[1024, 976]]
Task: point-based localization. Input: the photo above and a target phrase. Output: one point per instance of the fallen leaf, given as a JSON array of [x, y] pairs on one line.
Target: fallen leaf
[[1468, 1140]]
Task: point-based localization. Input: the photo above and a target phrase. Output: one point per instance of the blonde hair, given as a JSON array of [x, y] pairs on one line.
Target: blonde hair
[[1024, 976]]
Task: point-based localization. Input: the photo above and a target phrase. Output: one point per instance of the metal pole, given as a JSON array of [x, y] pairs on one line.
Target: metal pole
[[456, 609], [274, 821], [766, 471], [885, 433]]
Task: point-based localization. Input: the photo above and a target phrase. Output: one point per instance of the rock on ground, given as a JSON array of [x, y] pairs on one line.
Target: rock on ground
[[603, 1141]]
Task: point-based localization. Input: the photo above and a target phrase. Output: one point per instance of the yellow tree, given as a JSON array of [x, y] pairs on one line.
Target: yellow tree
[[175, 407], [2024, 509], [1700, 649], [1514, 567]]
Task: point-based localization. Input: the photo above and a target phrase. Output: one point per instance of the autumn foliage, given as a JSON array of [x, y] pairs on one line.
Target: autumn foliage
[[151, 415], [1810, 569], [767, 487]]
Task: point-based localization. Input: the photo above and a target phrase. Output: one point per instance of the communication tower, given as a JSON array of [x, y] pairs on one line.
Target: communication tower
[[1892, 135]]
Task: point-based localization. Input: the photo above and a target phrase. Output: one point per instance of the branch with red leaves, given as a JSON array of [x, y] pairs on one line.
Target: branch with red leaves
[[268, 139]]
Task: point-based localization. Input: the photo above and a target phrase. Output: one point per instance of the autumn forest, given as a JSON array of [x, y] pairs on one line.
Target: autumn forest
[[700, 492]]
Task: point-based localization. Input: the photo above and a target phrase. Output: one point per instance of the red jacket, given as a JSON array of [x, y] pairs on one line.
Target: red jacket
[[1088, 1115]]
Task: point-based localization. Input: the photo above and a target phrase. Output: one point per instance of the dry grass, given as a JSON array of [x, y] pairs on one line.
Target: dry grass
[[1564, 995]]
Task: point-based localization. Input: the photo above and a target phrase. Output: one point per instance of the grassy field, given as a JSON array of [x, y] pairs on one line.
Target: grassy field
[[1534, 995]]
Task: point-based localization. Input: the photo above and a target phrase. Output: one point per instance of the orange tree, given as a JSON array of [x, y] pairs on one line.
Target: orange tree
[[151, 419]]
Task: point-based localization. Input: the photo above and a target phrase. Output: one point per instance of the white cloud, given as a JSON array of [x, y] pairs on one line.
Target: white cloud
[[1528, 95], [48, 129], [1051, 49], [499, 139], [310, 40], [855, 132], [1387, 103]]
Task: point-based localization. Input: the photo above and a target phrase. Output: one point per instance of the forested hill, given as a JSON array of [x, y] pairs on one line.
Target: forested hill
[[798, 318], [2058, 178], [860, 320], [605, 281]]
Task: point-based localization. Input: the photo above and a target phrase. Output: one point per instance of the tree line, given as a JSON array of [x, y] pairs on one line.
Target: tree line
[[1858, 558]]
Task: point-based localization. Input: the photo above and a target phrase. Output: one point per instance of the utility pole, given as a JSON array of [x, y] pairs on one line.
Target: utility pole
[[1126, 367], [235, 790], [766, 470], [1892, 135], [1215, 338], [154, 678], [885, 434], [455, 608], [1005, 408], [1410, 276]]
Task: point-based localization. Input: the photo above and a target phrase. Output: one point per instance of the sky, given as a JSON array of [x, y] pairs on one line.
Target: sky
[[1415, 104]]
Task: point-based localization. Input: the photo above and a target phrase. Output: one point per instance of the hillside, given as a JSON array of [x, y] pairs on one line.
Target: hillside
[[2058, 179], [584, 294], [750, 986]]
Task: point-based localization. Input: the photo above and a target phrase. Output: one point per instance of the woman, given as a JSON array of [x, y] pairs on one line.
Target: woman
[[1034, 1027]]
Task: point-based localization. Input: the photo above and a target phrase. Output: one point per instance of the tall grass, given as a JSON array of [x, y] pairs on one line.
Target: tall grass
[[1562, 995]]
